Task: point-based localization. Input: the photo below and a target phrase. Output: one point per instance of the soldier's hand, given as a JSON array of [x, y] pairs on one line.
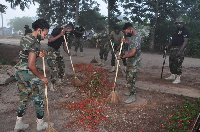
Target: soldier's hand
[[45, 80], [178, 54], [42, 53], [119, 57], [62, 32]]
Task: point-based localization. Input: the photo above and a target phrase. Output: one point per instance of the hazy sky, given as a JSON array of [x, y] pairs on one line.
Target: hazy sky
[[31, 12]]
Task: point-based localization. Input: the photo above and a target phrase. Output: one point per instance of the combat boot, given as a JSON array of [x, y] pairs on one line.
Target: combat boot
[[100, 63], [103, 63], [75, 53], [112, 69], [124, 69], [52, 87], [41, 125], [171, 77], [178, 79], [81, 54], [131, 99], [20, 125]]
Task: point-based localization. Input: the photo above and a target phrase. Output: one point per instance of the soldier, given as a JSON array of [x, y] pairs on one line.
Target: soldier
[[27, 30], [54, 58], [102, 41], [29, 80], [177, 46], [70, 38], [133, 59], [115, 37], [78, 33]]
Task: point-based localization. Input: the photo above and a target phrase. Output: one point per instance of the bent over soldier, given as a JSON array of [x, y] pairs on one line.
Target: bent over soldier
[[29, 80], [54, 58], [177, 46], [133, 60]]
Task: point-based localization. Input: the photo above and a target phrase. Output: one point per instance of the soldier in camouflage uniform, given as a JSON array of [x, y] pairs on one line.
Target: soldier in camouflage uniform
[[27, 30], [78, 33], [115, 37], [133, 59], [29, 80], [54, 58], [177, 46], [104, 46]]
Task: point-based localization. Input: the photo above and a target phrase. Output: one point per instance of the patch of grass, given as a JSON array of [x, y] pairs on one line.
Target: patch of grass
[[183, 118]]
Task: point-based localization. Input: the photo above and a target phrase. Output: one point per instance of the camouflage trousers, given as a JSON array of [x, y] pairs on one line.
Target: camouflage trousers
[[56, 64], [131, 73], [30, 87], [113, 55], [175, 62], [104, 50], [78, 43]]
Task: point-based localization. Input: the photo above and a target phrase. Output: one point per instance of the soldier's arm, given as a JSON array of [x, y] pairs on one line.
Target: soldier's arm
[[52, 38], [132, 53], [33, 68], [185, 41]]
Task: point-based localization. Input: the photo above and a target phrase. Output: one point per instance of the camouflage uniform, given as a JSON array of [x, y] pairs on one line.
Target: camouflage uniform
[[78, 39], [133, 62], [104, 48], [28, 84], [54, 58], [103, 45], [116, 42], [175, 62], [56, 64]]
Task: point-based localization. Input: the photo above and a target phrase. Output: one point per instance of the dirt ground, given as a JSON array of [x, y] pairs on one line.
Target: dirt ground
[[148, 113]]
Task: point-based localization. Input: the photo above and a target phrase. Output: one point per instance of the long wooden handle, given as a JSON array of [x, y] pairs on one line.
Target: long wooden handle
[[47, 102], [69, 56], [117, 66], [113, 50]]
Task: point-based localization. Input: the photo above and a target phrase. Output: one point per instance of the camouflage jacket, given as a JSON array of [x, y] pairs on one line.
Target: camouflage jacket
[[135, 43], [28, 44]]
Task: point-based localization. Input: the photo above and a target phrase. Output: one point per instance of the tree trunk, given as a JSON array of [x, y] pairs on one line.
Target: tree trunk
[[2, 25], [77, 12], [108, 17], [153, 29]]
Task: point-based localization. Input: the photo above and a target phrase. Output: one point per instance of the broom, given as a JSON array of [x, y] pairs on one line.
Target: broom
[[123, 73], [76, 81], [49, 128], [114, 96]]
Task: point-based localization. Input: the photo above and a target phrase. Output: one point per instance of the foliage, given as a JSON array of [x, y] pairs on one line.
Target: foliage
[[91, 18], [59, 13], [89, 111], [18, 23], [22, 3], [183, 119], [3, 8]]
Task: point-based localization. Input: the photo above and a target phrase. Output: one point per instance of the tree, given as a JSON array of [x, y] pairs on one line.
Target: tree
[[2, 10], [18, 23], [91, 18], [59, 13], [22, 3]]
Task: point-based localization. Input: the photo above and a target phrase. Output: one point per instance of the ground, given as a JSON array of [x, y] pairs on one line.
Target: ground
[[156, 98]]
